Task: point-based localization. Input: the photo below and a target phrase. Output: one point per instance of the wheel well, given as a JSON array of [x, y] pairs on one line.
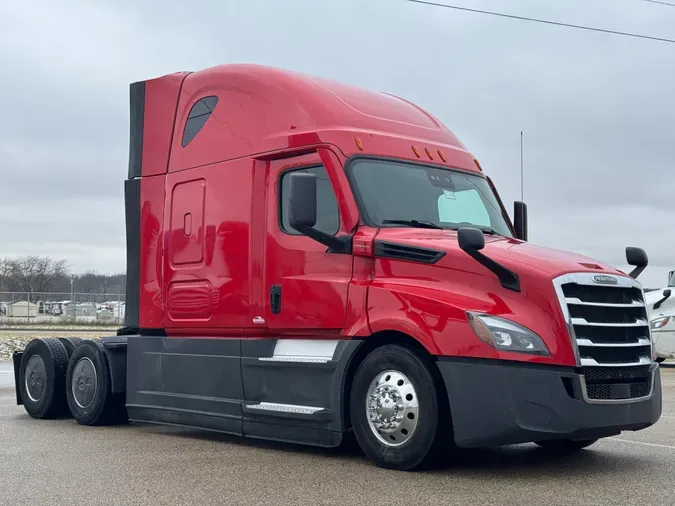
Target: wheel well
[[380, 339]]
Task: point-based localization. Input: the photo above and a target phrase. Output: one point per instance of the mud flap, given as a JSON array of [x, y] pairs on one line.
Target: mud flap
[[16, 359]]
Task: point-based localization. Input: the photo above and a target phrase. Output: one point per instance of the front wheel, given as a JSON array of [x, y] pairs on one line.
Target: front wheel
[[398, 417]]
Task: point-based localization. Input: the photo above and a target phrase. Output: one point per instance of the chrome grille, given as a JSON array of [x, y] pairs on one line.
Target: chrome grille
[[609, 329]]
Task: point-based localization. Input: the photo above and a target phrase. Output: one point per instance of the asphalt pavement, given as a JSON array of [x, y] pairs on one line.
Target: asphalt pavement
[[61, 463], [6, 375]]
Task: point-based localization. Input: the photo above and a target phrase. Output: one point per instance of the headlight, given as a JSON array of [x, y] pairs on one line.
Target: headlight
[[506, 335], [660, 322]]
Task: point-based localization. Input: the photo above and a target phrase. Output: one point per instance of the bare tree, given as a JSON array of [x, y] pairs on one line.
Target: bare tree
[[4, 273], [35, 274]]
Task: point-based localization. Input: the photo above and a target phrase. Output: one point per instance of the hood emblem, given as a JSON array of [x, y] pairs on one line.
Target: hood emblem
[[605, 280]]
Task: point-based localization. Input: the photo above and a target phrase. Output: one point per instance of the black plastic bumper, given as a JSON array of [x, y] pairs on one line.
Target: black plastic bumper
[[495, 404]]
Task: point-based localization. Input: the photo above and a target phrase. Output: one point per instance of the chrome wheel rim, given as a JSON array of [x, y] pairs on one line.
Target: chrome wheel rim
[[35, 378], [83, 383], [392, 408]]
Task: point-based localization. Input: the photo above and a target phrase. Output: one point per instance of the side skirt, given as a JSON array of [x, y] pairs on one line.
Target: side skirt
[[285, 390]]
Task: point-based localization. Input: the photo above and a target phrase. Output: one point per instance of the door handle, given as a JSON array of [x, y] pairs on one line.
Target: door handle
[[275, 299]]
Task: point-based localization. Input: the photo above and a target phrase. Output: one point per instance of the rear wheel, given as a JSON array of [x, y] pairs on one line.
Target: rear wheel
[[396, 413], [566, 445], [88, 387], [42, 378], [70, 343]]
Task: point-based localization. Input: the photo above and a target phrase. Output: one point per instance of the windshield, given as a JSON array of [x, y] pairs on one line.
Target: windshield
[[399, 194]]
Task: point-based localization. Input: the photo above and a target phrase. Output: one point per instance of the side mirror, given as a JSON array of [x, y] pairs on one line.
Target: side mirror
[[470, 239], [638, 258], [520, 220], [671, 278], [302, 204], [302, 213]]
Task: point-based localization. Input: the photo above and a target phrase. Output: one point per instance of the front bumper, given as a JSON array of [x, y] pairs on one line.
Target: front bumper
[[497, 403]]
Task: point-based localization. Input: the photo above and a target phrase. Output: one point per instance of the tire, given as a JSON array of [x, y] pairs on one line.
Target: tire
[[70, 343], [88, 387], [566, 445], [42, 376], [422, 433]]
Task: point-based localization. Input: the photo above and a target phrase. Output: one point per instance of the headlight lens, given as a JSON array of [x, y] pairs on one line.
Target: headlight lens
[[659, 322], [506, 335]]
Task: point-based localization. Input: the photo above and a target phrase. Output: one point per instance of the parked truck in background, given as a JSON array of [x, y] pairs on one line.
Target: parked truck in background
[[306, 259], [661, 311]]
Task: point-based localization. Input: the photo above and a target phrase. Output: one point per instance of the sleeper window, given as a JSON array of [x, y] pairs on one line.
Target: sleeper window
[[327, 215], [197, 117]]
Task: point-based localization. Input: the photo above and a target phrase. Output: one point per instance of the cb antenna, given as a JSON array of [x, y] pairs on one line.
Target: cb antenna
[[521, 167]]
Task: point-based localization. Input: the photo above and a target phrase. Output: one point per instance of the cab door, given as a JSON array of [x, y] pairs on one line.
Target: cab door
[[306, 287]]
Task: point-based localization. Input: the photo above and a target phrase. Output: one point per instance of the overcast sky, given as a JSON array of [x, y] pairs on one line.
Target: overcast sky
[[598, 110]]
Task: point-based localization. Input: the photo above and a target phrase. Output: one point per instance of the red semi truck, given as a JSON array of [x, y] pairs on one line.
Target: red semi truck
[[306, 259]]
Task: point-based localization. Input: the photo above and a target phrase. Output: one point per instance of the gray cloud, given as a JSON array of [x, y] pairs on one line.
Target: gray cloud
[[597, 110]]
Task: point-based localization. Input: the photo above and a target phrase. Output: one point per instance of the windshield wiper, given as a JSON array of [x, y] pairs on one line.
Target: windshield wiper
[[414, 223], [485, 230]]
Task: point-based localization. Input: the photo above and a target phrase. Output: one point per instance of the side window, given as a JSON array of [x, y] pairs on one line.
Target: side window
[[462, 207], [197, 117], [327, 214]]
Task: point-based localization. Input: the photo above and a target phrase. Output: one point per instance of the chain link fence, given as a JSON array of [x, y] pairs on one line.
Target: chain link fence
[[47, 309]]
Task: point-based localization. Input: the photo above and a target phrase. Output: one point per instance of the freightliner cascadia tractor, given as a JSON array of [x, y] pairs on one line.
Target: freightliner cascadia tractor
[[307, 261]]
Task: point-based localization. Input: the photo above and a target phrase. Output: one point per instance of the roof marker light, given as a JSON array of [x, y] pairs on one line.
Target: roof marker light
[[359, 144], [478, 165], [441, 155], [417, 153], [431, 157]]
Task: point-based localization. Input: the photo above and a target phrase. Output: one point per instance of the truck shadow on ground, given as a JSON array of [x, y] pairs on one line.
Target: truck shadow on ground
[[505, 462]]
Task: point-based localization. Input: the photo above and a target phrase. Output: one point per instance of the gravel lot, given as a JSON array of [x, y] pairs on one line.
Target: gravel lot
[[59, 462], [17, 339]]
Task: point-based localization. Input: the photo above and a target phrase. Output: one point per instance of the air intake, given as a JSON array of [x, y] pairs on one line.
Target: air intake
[[409, 253]]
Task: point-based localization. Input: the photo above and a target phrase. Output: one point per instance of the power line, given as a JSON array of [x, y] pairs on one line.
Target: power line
[[659, 2], [544, 21]]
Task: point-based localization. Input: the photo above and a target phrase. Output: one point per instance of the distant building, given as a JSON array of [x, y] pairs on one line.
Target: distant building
[[22, 309]]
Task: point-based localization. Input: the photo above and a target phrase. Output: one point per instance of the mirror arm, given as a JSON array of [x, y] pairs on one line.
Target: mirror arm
[[335, 244], [637, 271], [666, 294], [507, 278]]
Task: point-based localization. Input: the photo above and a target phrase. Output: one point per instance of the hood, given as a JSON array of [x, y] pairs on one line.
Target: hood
[[512, 253]]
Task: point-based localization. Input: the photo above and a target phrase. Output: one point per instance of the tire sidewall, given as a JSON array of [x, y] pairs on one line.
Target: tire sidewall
[[414, 451], [39, 408], [90, 414]]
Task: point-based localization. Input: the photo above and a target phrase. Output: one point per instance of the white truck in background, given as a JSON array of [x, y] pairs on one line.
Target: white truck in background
[[661, 312]]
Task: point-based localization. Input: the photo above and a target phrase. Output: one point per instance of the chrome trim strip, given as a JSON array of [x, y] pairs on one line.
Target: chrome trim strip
[[586, 278], [583, 321], [594, 363], [578, 302], [305, 360], [557, 285], [588, 342], [284, 408], [309, 351], [584, 392]]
